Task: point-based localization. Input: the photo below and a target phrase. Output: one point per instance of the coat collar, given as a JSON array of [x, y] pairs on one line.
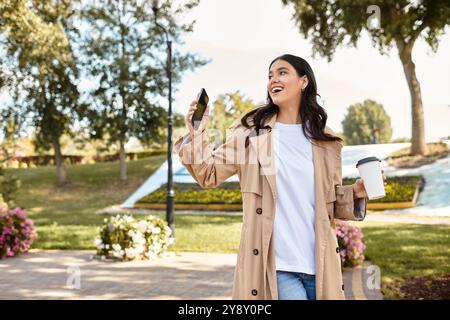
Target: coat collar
[[263, 145], [270, 122]]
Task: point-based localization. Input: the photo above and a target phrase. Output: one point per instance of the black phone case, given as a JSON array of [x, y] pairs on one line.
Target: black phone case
[[202, 103]]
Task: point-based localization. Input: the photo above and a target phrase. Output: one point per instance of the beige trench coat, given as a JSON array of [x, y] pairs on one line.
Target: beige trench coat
[[255, 272]]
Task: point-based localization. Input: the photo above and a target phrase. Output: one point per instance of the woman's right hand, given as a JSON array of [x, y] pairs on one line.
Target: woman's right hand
[[203, 122]]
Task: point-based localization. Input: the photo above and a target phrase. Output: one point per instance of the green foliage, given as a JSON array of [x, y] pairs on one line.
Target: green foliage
[[9, 184], [332, 23], [125, 54], [360, 121], [192, 193], [36, 39], [226, 109]]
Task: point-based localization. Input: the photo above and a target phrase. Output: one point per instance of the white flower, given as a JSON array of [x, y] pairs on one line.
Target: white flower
[[151, 255], [156, 230], [116, 247], [118, 254], [98, 243], [130, 252], [142, 226], [171, 240], [139, 249], [138, 239], [131, 233]]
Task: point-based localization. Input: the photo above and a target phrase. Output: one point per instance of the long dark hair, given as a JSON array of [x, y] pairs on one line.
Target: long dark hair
[[313, 116]]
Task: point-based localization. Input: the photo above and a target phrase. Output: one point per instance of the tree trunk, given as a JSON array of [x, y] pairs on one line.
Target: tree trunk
[[123, 164], [60, 169], [418, 145]]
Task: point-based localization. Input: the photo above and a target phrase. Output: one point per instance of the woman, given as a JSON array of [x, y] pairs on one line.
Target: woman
[[289, 166]]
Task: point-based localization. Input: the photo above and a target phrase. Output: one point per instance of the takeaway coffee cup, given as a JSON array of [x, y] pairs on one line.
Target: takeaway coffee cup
[[370, 171]]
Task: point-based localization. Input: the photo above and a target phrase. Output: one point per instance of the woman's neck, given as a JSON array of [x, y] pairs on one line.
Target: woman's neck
[[289, 115]]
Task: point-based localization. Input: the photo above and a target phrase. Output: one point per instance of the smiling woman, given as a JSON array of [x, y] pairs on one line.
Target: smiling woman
[[292, 254]]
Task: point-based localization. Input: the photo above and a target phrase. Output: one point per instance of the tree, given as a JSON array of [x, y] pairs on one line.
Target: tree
[[124, 51], [225, 110], [330, 23], [35, 34], [361, 120]]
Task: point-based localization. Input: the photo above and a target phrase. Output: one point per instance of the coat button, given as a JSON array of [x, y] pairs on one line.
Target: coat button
[[255, 252], [259, 211], [342, 287], [337, 250], [254, 292]]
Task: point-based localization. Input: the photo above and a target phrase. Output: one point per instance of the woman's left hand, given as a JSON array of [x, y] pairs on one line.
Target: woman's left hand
[[359, 191]]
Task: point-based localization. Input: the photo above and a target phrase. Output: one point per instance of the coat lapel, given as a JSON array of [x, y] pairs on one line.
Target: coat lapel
[[263, 146]]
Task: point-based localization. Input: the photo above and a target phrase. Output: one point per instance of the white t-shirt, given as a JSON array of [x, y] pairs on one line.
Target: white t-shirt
[[295, 204]]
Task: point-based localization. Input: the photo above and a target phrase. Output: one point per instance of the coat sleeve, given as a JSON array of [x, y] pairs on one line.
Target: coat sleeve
[[346, 207], [209, 167]]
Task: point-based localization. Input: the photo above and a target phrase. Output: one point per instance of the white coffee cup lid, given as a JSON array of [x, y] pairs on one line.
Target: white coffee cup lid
[[368, 159]]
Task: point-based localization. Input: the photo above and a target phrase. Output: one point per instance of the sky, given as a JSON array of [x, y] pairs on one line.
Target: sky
[[243, 37]]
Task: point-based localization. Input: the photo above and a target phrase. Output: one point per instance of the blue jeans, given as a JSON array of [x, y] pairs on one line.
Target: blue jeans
[[296, 286]]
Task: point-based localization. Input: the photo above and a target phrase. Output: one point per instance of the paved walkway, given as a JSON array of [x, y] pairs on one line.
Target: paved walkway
[[64, 274]]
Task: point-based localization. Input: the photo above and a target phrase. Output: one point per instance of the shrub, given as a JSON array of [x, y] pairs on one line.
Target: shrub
[[125, 238], [9, 185], [351, 245], [17, 232]]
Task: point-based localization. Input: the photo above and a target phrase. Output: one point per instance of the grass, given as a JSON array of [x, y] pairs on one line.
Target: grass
[[406, 251], [65, 217]]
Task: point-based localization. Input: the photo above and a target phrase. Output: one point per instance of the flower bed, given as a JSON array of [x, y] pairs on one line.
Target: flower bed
[[124, 238], [400, 191], [17, 232]]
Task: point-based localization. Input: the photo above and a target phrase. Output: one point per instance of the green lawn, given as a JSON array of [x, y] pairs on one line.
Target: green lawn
[[404, 251], [91, 187], [66, 219]]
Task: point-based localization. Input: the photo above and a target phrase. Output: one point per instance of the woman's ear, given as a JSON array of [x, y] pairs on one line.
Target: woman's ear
[[305, 82]]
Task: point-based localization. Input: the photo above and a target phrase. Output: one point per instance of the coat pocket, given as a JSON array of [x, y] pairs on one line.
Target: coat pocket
[[250, 180], [330, 200]]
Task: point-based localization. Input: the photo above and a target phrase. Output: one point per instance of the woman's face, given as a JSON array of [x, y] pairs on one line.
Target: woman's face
[[282, 75]]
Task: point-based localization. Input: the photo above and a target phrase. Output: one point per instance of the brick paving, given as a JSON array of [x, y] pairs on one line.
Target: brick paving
[[54, 274]]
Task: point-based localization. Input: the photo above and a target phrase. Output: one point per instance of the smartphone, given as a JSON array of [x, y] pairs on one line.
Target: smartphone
[[202, 103]]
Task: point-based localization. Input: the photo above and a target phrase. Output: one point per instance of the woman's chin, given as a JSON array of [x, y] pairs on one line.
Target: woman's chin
[[277, 101]]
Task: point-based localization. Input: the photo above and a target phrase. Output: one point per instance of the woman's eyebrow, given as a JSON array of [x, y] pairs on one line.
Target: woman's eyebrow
[[279, 69]]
